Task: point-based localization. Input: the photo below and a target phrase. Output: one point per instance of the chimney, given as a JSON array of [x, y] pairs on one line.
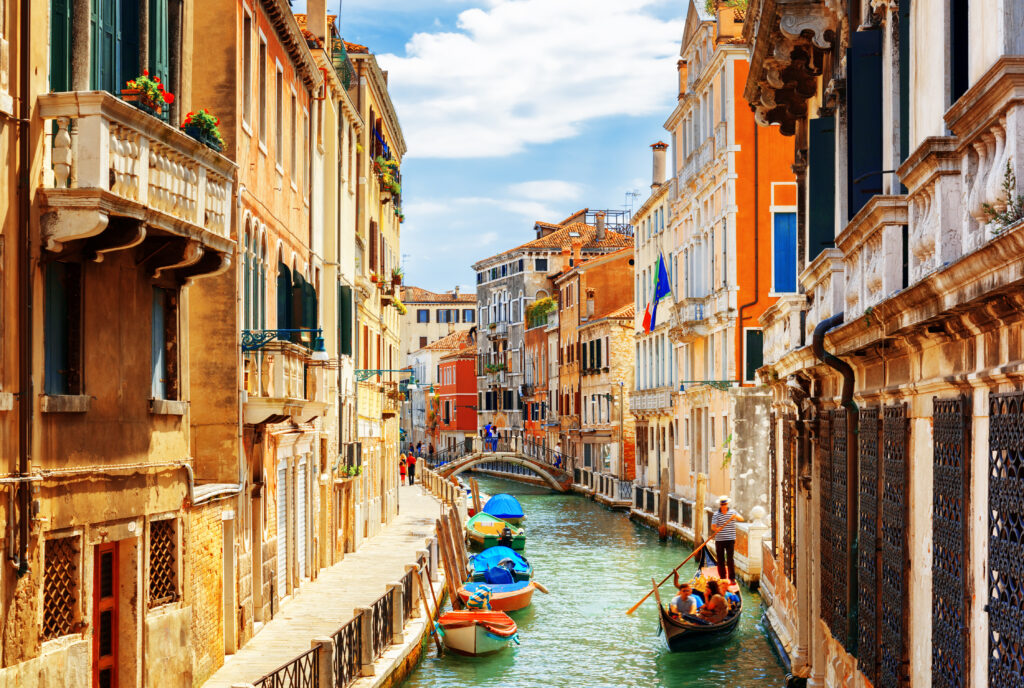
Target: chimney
[[577, 249], [600, 227], [681, 66], [316, 20], [659, 149], [456, 291], [590, 303], [566, 258]]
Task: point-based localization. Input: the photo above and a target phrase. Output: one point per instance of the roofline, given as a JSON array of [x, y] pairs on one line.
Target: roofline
[[377, 82], [655, 194], [283, 20]]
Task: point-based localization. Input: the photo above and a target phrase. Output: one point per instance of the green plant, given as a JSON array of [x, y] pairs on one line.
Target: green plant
[[202, 122], [399, 306], [1014, 202], [495, 367], [739, 5], [727, 455], [352, 471], [868, 313]]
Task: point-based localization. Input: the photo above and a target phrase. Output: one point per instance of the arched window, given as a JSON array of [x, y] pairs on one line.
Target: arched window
[[262, 282], [247, 280], [284, 297]]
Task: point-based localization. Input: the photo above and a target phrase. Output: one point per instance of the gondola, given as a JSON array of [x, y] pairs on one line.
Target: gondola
[[683, 636]]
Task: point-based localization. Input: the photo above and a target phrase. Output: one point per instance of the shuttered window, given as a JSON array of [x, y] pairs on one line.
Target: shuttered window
[[159, 54], [753, 353], [784, 252], [284, 297], [821, 195], [62, 315], [60, 45], [345, 319], [158, 344], [864, 118]]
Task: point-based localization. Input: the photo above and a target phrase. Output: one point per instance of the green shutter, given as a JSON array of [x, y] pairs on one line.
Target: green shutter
[[753, 352], [159, 50], [60, 45], [284, 297], [247, 293], [309, 306], [55, 333], [345, 318], [127, 43], [821, 196], [598, 357], [104, 27], [864, 117]]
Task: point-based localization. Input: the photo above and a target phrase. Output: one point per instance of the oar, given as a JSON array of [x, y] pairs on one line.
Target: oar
[[540, 587], [426, 605], [692, 554]]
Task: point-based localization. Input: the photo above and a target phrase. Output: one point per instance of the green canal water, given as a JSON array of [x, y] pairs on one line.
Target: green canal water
[[595, 563]]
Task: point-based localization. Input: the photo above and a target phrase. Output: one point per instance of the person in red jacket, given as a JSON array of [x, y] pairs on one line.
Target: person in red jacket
[[412, 468]]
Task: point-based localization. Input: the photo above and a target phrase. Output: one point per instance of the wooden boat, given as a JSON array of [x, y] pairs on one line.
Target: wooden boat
[[507, 597], [501, 557], [484, 530], [506, 507], [470, 632], [684, 636]]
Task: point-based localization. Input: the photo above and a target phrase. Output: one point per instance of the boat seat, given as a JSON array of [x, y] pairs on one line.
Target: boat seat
[[498, 575]]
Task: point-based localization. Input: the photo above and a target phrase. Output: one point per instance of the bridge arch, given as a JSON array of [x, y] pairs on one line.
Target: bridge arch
[[556, 478]]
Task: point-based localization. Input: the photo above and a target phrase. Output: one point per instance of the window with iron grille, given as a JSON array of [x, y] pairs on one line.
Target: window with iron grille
[[163, 562], [60, 587]]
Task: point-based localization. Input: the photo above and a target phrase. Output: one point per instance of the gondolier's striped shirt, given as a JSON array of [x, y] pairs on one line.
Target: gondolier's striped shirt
[[729, 531]]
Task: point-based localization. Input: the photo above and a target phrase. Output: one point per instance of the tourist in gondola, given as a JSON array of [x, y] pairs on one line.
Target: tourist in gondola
[[724, 521], [716, 608], [684, 604]]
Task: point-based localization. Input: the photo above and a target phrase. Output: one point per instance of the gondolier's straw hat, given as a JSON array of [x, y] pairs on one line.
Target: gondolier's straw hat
[[724, 499]]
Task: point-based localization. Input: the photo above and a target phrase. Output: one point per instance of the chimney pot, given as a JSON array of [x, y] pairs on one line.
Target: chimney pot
[[600, 227], [658, 177]]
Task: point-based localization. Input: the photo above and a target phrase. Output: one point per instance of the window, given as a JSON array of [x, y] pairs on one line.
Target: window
[[163, 562], [61, 585], [247, 68], [783, 252], [711, 427], [753, 353], [467, 315], [279, 117], [423, 342], [164, 343], [959, 49], [293, 168], [422, 315], [345, 320], [62, 335], [540, 264], [263, 89]]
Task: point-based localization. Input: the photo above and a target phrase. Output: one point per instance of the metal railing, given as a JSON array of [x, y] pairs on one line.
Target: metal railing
[[625, 490], [347, 651], [381, 617], [301, 672]]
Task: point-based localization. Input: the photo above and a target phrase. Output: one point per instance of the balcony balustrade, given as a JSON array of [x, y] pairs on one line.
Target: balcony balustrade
[[872, 246], [688, 321], [823, 282], [659, 399], [782, 331], [282, 382], [118, 176]]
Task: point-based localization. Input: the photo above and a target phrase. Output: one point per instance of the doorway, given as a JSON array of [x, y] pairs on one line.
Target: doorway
[[105, 617]]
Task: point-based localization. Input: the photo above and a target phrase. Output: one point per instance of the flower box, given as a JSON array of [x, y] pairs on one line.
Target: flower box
[[202, 136]]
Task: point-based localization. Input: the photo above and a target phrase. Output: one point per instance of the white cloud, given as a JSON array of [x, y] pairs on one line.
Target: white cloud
[[547, 190], [524, 72]]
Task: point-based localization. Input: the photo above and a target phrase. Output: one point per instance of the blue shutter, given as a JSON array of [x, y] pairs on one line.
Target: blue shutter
[[55, 334], [864, 117], [158, 349], [821, 196], [60, 45], [784, 253]]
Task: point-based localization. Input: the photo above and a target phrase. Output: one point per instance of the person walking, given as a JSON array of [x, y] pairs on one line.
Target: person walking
[[412, 469], [419, 449], [724, 521], [402, 468]]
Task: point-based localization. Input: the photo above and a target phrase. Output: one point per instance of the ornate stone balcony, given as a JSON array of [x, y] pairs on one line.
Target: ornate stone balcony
[[872, 246], [689, 321], [281, 382], [657, 400], [824, 283], [120, 177], [782, 331]]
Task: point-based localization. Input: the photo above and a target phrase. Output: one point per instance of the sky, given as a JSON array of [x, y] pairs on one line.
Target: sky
[[515, 111]]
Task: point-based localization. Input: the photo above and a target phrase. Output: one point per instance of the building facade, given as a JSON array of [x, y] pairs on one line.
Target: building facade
[[431, 316], [457, 392], [895, 368]]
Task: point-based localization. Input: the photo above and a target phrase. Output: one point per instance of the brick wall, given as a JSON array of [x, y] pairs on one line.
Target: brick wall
[[204, 556]]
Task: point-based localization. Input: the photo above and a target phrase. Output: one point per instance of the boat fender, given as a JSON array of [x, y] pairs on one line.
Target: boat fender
[[440, 631]]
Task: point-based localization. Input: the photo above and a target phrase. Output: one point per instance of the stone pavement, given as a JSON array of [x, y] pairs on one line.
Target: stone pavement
[[322, 606]]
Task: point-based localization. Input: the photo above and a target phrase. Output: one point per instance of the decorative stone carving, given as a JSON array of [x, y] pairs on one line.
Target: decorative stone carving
[[70, 224]]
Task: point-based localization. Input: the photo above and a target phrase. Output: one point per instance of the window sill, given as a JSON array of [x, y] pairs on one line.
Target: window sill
[[263, 147], [65, 403], [6, 401], [167, 407], [246, 128]]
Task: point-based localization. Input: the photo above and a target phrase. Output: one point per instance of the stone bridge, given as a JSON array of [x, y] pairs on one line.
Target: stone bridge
[[449, 465]]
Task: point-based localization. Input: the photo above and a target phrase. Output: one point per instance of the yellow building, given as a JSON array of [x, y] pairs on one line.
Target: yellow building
[[380, 150]]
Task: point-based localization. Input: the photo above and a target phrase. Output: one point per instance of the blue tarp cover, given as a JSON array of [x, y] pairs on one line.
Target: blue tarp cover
[[492, 556], [503, 506], [496, 588]]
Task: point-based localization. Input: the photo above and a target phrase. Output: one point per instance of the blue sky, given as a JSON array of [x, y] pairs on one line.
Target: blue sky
[[516, 111]]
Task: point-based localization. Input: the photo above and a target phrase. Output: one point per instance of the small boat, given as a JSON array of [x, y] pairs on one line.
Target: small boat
[[506, 507], [484, 530], [472, 632], [683, 636], [505, 597], [499, 557]]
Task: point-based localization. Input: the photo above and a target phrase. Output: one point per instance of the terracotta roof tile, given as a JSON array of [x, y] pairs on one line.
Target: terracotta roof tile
[[560, 239], [411, 294], [356, 48], [469, 351], [453, 342]]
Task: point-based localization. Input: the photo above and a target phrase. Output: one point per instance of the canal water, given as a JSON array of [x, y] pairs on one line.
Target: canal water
[[596, 564]]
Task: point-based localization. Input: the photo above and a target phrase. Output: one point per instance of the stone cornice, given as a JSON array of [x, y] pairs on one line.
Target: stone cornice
[[936, 155], [879, 210], [280, 15], [379, 86], [990, 95]]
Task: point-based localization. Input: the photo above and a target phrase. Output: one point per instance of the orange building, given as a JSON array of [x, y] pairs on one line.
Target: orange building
[[457, 390]]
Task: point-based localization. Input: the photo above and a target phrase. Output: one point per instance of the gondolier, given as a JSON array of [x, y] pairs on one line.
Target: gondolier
[[724, 522]]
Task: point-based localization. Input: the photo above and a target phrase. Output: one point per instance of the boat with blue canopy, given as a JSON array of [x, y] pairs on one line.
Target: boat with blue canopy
[[499, 557], [506, 507]]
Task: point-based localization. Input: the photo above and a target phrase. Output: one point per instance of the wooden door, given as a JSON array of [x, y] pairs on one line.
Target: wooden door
[[104, 622]]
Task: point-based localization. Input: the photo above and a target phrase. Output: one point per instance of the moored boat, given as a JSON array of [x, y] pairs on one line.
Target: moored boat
[[506, 507], [506, 597], [500, 557], [471, 632], [484, 531]]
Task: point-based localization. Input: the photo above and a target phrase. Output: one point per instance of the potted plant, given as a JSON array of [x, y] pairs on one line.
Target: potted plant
[[396, 276], [202, 126], [147, 93], [373, 277]]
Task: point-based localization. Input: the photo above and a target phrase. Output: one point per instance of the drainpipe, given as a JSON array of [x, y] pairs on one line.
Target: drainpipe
[[742, 347], [26, 396], [852, 473]]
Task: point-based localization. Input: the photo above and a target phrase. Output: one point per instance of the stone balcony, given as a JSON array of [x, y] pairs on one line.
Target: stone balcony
[[282, 382], [118, 178], [872, 246], [823, 282], [657, 400], [782, 330], [689, 323]]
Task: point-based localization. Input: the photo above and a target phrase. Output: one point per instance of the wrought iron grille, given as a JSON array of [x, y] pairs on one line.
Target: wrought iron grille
[[950, 502], [826, 581], [638, 497], [894, 655], [163, 567], [60, 587], [788, 501], [1006, 540], [301, 672], [773, 471], [382, 611], [347, 648], [407, 593], [836, 606], [868, 544]]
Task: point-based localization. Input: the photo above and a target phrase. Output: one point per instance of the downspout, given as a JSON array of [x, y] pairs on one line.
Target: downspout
[[26, 396], [742, 343], [852, 473]]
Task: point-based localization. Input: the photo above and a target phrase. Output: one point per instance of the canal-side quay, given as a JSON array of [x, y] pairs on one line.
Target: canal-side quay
[[361, 623]]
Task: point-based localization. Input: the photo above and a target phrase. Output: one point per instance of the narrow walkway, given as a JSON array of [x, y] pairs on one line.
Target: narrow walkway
[[323, 605]]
